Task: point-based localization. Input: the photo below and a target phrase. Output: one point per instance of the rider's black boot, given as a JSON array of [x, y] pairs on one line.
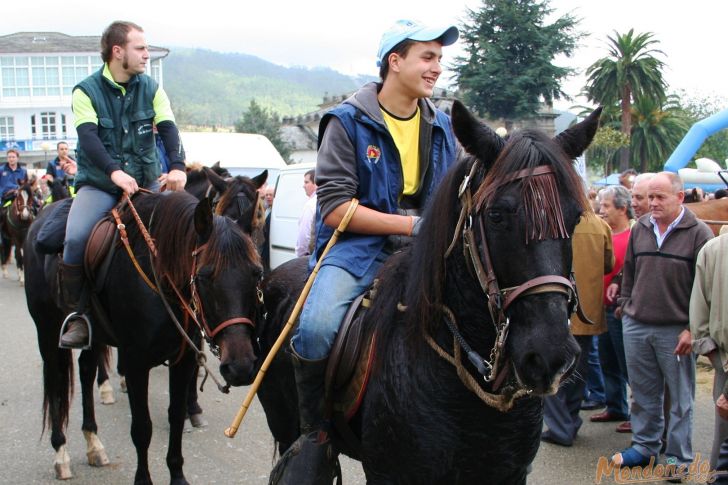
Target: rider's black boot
[[75, 329], [311, 459]]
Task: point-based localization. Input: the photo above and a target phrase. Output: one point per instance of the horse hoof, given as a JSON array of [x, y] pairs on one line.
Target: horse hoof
[[62, 464], [63, 471], [198, 420], [122, 384], [95, 451], [106, 393], [97, 458]]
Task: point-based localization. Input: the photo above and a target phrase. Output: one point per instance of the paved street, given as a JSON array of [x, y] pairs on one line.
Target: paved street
[[210, 457]]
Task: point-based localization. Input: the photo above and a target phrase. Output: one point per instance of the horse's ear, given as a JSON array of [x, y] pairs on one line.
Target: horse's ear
[[216, 181], [260, 179], [577, 138], [476, 138], [203, 219]]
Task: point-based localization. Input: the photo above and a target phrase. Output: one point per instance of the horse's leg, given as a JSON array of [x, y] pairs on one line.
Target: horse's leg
[[19, 260], [87, 363], [194, 411], [6, 245], [121, 370], [179, 382], [57, 385], [137, 381], [106, 391]]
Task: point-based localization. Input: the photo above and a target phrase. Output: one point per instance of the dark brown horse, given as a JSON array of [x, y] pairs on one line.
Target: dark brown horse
[[209, 261], [15, 222], [470, 324]]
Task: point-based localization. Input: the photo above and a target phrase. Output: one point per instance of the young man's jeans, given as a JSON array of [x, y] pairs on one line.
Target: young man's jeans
[[331, 294], [88, 208]]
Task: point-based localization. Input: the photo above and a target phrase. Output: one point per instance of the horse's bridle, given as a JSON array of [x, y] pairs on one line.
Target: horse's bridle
[[191, 311], [19, 205], [197, 308], [499, 299]]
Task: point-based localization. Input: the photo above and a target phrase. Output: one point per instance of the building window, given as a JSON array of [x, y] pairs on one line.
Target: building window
[[7, 128], [44, 75], [44, 126]]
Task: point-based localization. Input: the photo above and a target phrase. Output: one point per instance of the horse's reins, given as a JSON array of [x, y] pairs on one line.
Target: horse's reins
[[499, 300], [208, 333]]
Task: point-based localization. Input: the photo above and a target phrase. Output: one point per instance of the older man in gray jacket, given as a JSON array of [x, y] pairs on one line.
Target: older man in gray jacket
[[657, 281]]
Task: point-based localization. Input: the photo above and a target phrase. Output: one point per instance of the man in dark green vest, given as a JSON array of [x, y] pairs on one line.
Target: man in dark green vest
[[115, 110]]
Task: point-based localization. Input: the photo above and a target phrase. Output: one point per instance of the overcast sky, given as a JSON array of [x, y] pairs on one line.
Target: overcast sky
[[344, 34]]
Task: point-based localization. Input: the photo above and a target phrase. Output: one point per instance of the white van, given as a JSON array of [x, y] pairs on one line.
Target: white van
[[287, 208], [240, 153]]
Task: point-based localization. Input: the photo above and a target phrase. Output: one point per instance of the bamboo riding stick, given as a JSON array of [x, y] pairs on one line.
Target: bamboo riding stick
[[233, 429]]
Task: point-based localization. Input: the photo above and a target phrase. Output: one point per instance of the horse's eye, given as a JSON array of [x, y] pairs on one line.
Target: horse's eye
[[494, 216]]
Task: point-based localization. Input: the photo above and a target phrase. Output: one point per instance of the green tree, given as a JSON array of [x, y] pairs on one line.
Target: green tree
[[264, 122], [630, 71], [508, 68], [606, 143], [656, 132]]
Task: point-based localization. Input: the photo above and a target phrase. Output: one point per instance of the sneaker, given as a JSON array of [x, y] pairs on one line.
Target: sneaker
[[630, 457]]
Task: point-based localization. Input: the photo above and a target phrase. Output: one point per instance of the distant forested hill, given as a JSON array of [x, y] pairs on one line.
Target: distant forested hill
[[213, 88]]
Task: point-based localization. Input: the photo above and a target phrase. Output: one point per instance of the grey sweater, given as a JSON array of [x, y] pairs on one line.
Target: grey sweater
[[656, 283]]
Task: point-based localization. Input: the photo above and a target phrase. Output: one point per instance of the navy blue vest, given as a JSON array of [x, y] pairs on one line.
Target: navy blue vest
[[379, 170]]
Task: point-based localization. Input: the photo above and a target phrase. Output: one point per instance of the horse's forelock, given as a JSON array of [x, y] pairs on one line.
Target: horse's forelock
[[528, 149], [228, 247]]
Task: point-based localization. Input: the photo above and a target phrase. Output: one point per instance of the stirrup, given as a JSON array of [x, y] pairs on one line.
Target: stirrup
[[72, 316]]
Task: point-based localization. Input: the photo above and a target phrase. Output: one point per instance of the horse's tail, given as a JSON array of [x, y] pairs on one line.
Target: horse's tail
[[58, 387]]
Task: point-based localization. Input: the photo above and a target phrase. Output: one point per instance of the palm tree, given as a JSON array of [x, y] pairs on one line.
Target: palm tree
[[656, 131], [630, 71]]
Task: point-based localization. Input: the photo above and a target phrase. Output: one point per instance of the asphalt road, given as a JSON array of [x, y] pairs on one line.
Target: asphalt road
[[26, 457]]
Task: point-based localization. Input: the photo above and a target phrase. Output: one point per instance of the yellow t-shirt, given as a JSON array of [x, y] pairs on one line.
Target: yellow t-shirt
[[406, 135]]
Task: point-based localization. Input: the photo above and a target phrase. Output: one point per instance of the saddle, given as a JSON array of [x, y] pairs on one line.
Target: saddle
[[348, 370], [103, 237]]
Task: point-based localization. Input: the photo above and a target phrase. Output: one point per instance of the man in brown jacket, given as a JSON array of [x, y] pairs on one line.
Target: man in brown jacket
[[592, 259]]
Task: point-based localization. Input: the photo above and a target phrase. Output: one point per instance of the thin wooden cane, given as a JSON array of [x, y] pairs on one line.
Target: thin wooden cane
[[233, 429]]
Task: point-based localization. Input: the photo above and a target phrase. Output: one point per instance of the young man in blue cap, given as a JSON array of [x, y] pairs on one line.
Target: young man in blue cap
[[388, 146]]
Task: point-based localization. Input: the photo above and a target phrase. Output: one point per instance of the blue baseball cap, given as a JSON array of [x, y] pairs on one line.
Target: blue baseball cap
[[414, 30]]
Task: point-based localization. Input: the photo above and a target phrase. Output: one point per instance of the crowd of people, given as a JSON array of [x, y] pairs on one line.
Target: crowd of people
[[657, 305]]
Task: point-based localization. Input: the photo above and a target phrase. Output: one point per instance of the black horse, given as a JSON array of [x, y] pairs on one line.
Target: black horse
[[470, 324], [212, 264], [15, 221]]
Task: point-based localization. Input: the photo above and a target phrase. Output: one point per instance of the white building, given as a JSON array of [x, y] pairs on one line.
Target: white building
[[39, 70]]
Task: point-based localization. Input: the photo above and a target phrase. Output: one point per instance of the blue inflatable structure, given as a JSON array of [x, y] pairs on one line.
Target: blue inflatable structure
[[692, 142]]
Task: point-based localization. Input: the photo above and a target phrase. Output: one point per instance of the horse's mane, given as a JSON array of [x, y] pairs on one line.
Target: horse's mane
[[195, 176], [422, 288], [170, 221]]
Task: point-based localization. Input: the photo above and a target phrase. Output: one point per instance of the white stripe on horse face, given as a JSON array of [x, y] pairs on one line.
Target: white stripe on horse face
[[25, 213]]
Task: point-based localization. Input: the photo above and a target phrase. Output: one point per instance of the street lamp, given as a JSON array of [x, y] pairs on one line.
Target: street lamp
[[45, 146]]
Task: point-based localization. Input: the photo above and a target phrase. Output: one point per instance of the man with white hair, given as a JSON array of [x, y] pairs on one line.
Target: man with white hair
[[640, 204]]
